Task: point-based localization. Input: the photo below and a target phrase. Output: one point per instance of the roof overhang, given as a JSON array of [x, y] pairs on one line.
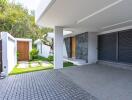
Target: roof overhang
[[85, 15]]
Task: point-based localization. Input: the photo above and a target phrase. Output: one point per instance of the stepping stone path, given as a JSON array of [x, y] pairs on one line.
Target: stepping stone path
[[23, 64], [34, 64], [45, 63]]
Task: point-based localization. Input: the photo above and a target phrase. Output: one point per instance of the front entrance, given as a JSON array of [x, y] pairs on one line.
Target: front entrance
[[23, 50], [0, 56], [73, 47]]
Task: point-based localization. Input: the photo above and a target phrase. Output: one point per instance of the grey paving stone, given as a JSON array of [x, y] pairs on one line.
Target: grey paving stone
[[43, 85]]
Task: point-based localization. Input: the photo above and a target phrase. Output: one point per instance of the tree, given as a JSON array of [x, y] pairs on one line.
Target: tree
[[18, 22]]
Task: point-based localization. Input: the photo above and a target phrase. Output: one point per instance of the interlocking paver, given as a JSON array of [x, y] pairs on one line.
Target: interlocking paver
[[43, 85]]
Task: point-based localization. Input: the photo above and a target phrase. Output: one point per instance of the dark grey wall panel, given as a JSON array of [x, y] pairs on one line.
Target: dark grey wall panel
[[82, 46], [107, 47], [125, 46], [68, 47]]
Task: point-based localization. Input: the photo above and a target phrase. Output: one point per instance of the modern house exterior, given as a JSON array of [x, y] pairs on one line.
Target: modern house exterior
[[101, 30]]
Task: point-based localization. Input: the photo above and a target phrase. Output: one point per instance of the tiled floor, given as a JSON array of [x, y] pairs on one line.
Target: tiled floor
[[43, 85], [103, 81]]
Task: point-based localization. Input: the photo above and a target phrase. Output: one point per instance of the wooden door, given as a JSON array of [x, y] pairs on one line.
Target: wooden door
[[73, 47], [23, 50], [0, 56]]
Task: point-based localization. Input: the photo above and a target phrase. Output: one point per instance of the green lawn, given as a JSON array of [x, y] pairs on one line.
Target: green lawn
[[37, 68], [30, 69]]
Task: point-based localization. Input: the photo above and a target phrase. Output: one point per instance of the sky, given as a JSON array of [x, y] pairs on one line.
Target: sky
[[29, 4]]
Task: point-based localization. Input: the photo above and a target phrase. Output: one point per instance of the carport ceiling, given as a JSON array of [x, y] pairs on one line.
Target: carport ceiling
[[88, 15]]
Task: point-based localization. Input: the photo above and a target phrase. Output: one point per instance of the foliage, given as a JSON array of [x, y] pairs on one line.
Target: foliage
[[39, 58], [18, 22], [34, 53], [67, 64], [18, 54], [50, 58]]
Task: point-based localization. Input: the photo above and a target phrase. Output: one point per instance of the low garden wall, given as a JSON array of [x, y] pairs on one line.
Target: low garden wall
[[9, 49]]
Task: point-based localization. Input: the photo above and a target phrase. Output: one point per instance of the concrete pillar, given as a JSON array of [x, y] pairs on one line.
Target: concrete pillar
[[92, 48], [58, 48]]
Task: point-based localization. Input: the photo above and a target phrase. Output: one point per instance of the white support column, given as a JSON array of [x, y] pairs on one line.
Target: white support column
[[58, 48], [92, 48]]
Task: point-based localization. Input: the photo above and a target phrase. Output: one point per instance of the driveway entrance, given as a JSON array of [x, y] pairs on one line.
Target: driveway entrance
[[43, 85]]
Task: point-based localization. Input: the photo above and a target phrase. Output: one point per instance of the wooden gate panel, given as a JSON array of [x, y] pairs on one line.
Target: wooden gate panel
[[23, 50]]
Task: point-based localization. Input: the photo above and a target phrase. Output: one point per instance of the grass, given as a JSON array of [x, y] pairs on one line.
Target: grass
[[38, 68], [29, 69], [68, 64]]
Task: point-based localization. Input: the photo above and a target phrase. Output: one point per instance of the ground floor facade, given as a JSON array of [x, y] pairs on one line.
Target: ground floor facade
[[114, 46]]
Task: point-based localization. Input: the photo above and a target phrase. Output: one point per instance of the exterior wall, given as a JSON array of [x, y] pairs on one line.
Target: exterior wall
[[44, 50], [39, 48], [82, 46], [9, 57], [86, 47], [11, 53]]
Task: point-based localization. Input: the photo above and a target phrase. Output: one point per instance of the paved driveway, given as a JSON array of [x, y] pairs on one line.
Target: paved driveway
[[43, 85], [104, 82], [76, 83]]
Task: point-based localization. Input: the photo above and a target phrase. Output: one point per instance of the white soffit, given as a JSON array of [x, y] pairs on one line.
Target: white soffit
[[99, 11], [87, 15]]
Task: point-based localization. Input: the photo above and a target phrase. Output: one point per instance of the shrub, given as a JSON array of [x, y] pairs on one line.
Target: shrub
[[34, 54], [50, 58], [17, 54]]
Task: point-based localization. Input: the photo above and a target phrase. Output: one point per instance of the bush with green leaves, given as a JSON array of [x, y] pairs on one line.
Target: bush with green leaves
[[50, 58], [34, 54]]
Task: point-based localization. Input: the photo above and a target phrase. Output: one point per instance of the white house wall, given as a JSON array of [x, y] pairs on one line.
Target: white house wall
[[39, 48], [64, 50], [44, 50], [11, 53], [9, 57]]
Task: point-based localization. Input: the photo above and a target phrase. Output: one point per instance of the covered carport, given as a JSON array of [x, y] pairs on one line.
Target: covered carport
[[95, 17]]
